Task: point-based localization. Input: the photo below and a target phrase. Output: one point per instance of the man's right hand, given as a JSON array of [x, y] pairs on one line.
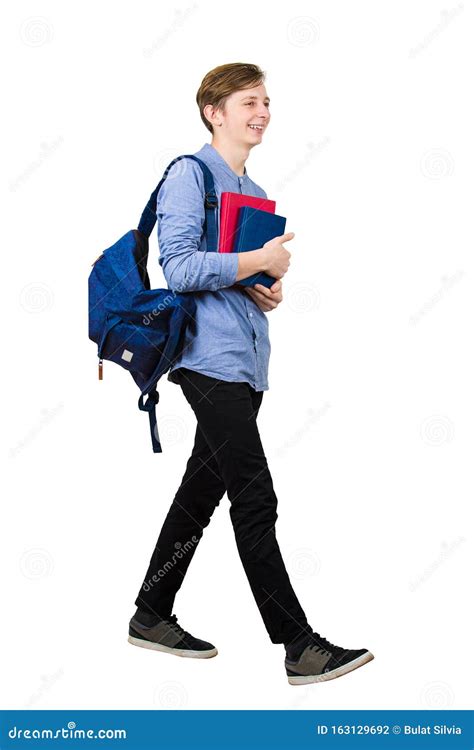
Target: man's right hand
[[276, 258]]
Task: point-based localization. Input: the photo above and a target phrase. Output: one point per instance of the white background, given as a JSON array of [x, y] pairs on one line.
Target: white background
[[368, 422]]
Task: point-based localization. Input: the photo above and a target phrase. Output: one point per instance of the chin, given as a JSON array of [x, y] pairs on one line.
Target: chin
[[251, 142]]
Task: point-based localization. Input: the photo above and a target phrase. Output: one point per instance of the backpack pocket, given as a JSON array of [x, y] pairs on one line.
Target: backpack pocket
[[134, 347]]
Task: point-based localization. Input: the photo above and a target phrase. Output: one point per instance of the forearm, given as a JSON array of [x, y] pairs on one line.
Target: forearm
[[193, 271], [251, 262]]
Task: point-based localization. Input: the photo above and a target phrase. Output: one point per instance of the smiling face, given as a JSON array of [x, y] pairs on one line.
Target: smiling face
[[245, 116]]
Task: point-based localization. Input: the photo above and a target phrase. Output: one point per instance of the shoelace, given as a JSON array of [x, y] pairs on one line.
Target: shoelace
[[174, 625], [323, 644]]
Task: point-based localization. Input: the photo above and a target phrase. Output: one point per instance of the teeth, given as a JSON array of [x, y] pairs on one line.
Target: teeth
[[256, 127]]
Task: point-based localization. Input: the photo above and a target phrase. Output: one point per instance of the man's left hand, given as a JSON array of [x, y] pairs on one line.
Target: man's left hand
[[266, 299]]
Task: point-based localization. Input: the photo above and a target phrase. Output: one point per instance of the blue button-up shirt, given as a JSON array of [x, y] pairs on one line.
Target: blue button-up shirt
[[228, 338]]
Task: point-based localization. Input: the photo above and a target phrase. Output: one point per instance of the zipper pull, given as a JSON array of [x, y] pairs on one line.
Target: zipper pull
[[101, 368]]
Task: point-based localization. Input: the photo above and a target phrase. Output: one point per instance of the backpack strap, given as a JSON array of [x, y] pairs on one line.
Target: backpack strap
[[148, 217], [150, 406], [146, 224]]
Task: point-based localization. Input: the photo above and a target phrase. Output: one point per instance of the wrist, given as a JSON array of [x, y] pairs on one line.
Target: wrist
[[263, 259]]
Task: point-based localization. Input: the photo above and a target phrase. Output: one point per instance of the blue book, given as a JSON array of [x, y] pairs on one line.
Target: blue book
[[255, 227]]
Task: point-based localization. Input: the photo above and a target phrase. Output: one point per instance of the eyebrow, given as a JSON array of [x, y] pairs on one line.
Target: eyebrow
[[267, 98]]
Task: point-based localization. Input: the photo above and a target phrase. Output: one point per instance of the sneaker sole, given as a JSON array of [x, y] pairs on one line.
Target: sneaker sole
[[141, 643], [338, 672]]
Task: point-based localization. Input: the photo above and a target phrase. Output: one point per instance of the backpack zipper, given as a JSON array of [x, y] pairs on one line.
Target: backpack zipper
[[102, 343]]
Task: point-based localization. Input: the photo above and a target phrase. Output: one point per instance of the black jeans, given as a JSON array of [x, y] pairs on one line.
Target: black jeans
[[227, 456]]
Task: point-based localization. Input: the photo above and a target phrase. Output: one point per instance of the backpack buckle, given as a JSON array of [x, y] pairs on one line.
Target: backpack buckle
[[211, 200]]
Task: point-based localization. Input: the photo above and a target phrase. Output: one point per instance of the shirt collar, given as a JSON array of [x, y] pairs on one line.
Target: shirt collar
[[215, 158]]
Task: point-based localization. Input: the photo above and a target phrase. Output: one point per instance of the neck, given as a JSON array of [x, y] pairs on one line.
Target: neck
[[234, 154]]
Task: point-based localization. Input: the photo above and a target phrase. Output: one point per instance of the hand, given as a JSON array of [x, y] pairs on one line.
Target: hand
[[276, 258], [266, 299]]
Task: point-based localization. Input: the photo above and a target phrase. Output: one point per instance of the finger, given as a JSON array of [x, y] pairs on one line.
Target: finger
[[262, 300], [286, 237], [262, 290], [269, 296], [269, 292], [265, 296], [269, 304]]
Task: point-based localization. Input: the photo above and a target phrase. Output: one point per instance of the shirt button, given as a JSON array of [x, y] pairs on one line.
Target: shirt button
[[251, 315]]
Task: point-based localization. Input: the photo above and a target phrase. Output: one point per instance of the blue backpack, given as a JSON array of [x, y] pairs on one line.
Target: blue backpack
[[139, 328]]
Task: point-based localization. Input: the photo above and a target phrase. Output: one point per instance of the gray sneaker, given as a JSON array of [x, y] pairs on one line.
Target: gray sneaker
[[167, 635], [319, 660]]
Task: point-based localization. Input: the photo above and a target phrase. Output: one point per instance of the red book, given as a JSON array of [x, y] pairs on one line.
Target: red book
[[229, 215]]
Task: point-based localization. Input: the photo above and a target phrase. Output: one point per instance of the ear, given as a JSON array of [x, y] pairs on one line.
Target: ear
[[210, 113]]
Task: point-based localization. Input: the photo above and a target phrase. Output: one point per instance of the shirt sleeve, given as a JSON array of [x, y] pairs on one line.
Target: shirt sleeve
[[181, 214]]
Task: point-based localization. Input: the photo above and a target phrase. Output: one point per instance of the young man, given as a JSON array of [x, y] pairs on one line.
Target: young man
[[223, 372]]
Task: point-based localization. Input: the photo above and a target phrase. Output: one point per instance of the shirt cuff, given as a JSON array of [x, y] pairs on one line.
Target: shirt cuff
[[229, 268]]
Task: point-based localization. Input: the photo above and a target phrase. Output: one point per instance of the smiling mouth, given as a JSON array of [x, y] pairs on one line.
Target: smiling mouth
[[257, 128]]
